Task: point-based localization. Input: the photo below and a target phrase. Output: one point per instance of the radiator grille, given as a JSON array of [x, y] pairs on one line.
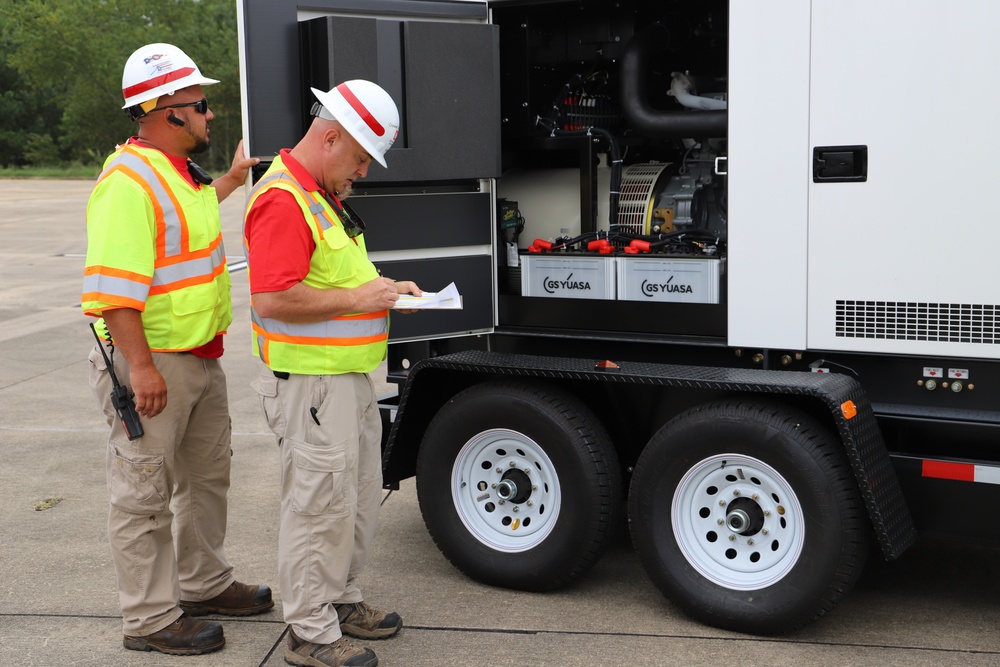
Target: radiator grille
[[905, 320]]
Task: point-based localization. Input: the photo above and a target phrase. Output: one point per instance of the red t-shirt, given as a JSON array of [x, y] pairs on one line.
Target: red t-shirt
[[280, 241], [213, 349]]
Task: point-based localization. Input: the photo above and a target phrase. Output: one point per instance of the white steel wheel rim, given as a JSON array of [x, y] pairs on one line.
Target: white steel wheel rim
[[485, 469], [723, 489]]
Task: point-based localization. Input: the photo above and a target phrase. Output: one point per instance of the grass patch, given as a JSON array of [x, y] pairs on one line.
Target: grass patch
[[60, 171], [47, 504]]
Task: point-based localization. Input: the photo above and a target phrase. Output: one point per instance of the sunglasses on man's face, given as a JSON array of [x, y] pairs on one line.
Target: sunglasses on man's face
[[201, 106]]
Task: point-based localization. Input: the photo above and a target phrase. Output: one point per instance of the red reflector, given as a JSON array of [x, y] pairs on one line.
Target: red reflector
[[962, 472]]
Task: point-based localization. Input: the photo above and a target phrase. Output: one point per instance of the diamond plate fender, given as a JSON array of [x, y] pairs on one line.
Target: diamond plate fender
[[432, 380]]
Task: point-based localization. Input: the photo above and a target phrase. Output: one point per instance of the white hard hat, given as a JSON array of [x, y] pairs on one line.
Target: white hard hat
[[158, 69], [366, 111]]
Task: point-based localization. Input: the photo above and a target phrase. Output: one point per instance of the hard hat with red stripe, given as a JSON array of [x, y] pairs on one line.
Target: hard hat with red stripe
[[155, 70], [366, 111]]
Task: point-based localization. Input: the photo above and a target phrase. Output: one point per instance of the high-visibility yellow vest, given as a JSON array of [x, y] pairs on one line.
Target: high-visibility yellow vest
[[155, 245], [353, 343]]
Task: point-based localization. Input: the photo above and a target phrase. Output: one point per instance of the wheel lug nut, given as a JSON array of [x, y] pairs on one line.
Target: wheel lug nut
[[722, 503], [513, 464], [527, 471], [750, 542], [493, 486], [732, 538], [754, 496], [764, 532], [516, 508], [736, 492], [499, 470], [720, 521], [530, 504], [500, 502]]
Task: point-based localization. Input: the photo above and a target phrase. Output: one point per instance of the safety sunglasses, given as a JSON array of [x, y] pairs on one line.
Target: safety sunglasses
[[201, 106], [354, 226]]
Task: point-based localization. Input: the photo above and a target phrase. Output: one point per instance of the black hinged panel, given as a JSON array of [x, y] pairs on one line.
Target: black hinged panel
[[444, 134], [471, 276], [415, 222], [368, 41]]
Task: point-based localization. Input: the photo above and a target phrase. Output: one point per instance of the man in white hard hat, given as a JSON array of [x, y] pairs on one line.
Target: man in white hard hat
[[319, 313], [156, 276]]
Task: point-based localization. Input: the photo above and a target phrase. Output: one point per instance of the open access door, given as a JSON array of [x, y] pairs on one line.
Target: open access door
[[430, 215]]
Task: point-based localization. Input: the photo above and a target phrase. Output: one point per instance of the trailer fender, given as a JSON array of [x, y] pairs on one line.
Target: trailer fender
[[432, 381]]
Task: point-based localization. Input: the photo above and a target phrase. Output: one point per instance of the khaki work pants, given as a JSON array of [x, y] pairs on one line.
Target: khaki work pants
[[167, 518], [331, 487]]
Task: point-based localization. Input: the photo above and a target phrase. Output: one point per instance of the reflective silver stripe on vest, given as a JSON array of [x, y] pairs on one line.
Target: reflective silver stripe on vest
[[172, 235], [326, 329], [262, 182], [129, 289], [316, 208], [192, 268]]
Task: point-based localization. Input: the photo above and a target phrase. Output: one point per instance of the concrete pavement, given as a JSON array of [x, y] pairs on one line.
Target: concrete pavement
[[58, 598]]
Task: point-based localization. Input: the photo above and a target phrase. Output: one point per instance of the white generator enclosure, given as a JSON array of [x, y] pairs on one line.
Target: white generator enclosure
[[894, 265], [878, 119]]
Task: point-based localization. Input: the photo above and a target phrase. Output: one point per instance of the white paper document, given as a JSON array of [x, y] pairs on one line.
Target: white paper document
[[448, 298]]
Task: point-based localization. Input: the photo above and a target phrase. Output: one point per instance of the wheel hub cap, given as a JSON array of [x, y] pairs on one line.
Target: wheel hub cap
[[505, 490], [737, 521]]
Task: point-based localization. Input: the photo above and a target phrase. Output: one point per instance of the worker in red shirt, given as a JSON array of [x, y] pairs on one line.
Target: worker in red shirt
[[156, 278], [320, 319]]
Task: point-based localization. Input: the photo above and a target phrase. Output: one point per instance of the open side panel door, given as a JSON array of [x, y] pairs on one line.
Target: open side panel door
[[430, 215]]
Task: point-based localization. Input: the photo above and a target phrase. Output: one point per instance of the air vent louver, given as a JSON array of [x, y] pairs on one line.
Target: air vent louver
[[906, 320]]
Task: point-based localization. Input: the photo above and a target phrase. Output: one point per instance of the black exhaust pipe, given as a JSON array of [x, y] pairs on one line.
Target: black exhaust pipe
[[642, 117]]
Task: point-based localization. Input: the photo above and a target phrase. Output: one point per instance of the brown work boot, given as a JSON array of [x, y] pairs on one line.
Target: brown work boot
[[185, 636], [341, 653], [359, 620], [237, 600]]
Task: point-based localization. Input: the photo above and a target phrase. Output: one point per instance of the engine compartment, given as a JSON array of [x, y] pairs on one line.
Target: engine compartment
[[613, 136]]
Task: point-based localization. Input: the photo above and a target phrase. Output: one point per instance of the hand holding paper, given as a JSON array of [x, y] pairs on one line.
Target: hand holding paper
[[448, 298]]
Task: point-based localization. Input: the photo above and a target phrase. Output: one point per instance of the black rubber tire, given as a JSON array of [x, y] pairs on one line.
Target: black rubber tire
[[812, 462], [583, 460]]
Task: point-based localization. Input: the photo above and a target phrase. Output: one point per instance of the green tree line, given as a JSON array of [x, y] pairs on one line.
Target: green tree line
[[61, 65]]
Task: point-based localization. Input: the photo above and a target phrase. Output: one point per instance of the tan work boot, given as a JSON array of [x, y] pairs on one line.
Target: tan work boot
[[359, 620], [341, 653]]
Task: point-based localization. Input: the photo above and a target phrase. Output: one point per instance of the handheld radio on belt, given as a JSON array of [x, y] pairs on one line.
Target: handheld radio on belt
[[120, 398]]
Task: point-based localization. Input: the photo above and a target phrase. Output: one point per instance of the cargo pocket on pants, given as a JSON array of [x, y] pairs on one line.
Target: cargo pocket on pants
[[137, 483], [266, 386], [318, 487]]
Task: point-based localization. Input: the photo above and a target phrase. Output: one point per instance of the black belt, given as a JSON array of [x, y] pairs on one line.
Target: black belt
[[281, 375]]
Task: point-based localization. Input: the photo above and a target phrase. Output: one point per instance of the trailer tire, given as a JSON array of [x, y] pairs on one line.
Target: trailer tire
[[519, 485], [747, 516]]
